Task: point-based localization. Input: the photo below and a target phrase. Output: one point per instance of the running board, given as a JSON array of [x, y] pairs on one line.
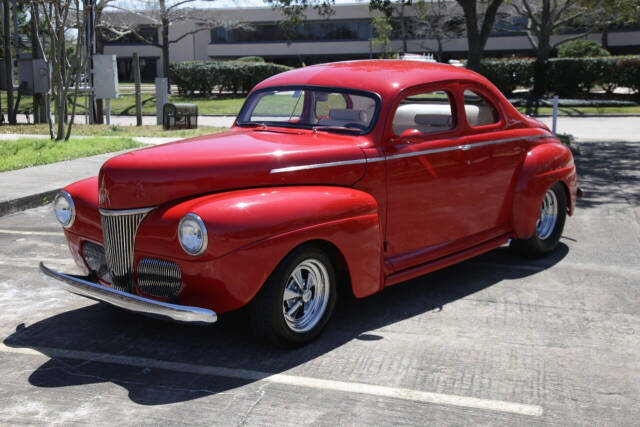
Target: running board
[[422, 269]]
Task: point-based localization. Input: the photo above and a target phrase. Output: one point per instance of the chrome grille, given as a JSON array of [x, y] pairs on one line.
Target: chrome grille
[[159, 278], [119, 233]]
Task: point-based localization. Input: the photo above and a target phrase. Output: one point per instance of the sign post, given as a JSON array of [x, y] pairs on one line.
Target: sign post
[[162, 97]]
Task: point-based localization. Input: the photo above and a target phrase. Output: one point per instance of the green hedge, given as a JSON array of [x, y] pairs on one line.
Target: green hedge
[[567, 76], [207, 76]]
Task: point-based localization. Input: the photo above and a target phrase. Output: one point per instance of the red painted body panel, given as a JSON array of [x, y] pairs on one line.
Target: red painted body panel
[[391, 214]]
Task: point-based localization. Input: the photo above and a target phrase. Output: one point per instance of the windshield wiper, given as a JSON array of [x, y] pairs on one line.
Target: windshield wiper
[[337, 129], [253, 124]]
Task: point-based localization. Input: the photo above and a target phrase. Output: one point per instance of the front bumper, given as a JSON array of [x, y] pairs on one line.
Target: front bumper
[[82, 286]]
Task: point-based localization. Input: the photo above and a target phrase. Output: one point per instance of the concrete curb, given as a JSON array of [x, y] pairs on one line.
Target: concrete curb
[[27, 202]]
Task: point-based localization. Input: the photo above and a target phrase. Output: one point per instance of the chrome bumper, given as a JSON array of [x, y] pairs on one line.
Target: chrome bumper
[[82, 286]]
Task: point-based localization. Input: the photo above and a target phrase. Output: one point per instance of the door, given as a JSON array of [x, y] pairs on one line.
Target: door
[[427, 178]]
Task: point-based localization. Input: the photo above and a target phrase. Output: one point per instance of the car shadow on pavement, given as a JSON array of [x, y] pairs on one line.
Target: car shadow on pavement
[[86, 333]]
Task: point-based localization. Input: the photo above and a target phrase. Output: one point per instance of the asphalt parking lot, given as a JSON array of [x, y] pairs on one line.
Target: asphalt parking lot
[[495, 340]]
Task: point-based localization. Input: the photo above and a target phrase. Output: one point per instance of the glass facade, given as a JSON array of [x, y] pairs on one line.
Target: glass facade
[[308, 31]]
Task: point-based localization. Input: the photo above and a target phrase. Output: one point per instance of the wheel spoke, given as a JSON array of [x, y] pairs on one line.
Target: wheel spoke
[[294, 308], [290, 294], [297, 276]]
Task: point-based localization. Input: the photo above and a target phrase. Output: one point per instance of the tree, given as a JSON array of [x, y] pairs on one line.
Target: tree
[[614, 11], [161, 15], [479, 23], [65, 64], [381, 35], [545, 18], [438, 20], [394, 8]]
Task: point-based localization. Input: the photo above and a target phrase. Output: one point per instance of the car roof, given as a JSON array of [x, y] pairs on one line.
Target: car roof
[[386, 77]]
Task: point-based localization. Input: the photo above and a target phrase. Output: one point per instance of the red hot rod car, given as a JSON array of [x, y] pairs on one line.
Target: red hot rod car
[[355, 175]]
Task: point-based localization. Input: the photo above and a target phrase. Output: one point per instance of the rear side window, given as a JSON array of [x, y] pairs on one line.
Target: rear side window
[[428, 112], [479, 111]]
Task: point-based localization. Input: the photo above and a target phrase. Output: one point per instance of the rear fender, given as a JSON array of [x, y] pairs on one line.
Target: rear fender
[[544, 165]]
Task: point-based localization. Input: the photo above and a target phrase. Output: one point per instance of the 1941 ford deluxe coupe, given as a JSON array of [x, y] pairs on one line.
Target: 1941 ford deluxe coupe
[[355, 175]]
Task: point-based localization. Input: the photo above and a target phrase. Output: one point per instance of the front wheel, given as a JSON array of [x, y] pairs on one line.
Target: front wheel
[[297, 300], [553, 213]]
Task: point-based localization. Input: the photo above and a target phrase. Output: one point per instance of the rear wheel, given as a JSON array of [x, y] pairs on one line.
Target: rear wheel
[[297, 300], [549, 225]]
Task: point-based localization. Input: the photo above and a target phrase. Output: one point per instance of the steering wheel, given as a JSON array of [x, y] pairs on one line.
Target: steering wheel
[[355, 125]]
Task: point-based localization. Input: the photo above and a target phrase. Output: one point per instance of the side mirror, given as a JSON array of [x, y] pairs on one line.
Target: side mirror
[[406, 136]]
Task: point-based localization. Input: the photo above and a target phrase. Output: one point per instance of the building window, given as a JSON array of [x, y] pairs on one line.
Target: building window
[[308, 31]]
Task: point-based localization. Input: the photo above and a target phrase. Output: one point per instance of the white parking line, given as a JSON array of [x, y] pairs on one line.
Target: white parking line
[[293, 380], [32, 233]]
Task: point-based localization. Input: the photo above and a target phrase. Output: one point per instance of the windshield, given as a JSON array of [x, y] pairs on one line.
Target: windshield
[[332, 109]]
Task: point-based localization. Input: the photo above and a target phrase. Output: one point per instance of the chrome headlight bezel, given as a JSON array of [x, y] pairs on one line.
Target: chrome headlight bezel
[[205, 239], [72, 208]]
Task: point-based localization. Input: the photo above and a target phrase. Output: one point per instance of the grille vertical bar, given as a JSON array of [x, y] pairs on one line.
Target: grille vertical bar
[[119, 233]]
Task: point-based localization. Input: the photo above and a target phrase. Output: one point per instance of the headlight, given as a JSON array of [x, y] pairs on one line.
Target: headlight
[[64, 209], [192, 234]]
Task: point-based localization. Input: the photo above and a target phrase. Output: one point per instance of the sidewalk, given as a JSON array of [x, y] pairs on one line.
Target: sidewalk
[[34, 186], [598, 128], [587, 128], [215, 121]]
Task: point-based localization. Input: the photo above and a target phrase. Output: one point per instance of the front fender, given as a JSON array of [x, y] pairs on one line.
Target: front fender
[[251, 231], [544, 165]]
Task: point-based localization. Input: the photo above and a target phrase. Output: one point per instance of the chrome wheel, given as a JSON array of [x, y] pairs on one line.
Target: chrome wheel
[[306, 295], [548, 215]]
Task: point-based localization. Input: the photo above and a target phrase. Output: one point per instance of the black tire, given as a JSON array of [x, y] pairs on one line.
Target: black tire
[[537, 246], [266, 309]]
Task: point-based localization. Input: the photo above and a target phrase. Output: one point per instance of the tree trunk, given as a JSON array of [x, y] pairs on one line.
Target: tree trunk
[[403, 27], [136, 78], [605, 37], [8, 61], [165, 49]]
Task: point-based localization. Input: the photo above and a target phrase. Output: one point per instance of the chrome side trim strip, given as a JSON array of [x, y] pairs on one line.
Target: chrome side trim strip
[[463, 147], [318, 165], [138, 304], [117, 212]]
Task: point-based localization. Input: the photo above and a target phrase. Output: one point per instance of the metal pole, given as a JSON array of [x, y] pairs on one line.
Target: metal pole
[[555, 114], [162, 87], [108, 108]]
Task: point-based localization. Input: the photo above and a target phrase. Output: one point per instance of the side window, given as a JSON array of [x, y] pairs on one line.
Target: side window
[[429, 112], [479, 111], [326, 102]]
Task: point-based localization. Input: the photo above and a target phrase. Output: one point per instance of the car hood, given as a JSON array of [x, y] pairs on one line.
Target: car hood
[[239, 158]]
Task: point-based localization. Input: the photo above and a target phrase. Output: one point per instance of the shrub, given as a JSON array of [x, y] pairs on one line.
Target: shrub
[[508, 74], [234, 76], [251, 59], [568, 77], [581, 49]]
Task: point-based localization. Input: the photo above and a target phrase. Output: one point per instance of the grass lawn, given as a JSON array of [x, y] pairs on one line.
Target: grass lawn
[[126, 104], [111, 130], [26, 152]]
